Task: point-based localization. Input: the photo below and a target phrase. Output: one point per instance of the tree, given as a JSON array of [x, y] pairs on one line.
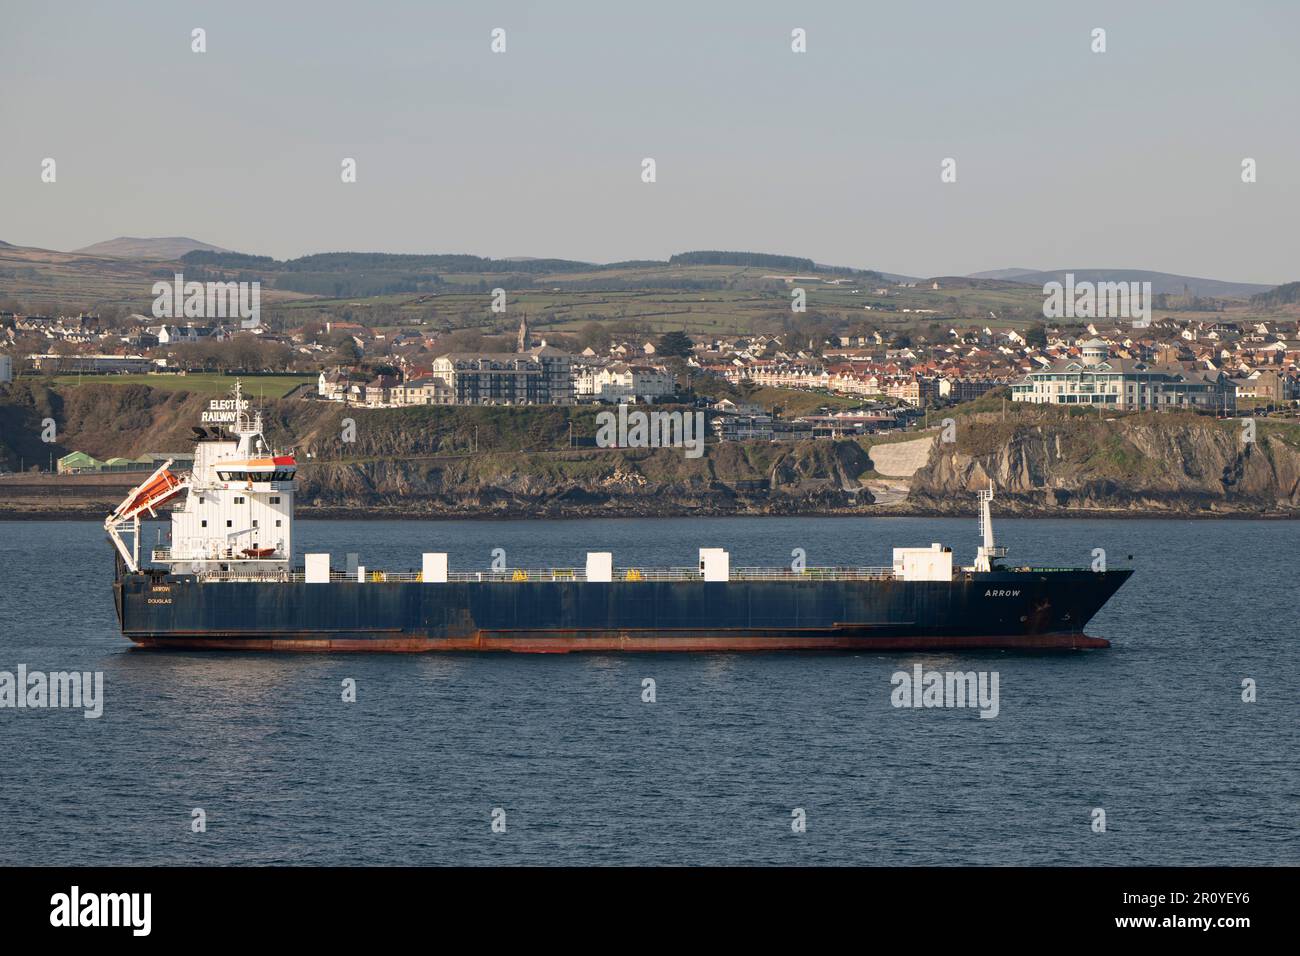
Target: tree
[[1036, 336], [465, 340], [674, 343], [347, 353], [595, 337], [244, 352]]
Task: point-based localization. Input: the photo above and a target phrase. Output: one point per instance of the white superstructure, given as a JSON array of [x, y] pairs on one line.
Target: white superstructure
[[238, 510]]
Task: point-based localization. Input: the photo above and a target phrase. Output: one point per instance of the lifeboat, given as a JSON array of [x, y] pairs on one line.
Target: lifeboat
[[258, 552], [148, 496], [158, 488]]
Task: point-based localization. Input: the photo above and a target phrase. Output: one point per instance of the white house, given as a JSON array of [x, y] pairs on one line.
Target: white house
[[621, 383]]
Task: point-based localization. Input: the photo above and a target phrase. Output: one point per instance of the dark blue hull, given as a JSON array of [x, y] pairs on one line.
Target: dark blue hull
[[1046, 608]]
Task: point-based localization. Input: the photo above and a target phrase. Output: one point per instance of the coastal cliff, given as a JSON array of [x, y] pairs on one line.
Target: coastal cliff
[[1053, 462], [518, 462], [429, 461]]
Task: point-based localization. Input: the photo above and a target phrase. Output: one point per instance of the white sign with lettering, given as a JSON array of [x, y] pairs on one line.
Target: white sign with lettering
[[224, 411]]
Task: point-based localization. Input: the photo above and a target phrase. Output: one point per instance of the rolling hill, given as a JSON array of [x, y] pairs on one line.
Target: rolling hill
[[704, 293], [131, 247]]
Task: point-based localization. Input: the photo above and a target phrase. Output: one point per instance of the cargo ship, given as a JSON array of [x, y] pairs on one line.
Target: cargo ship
[[228, 580]]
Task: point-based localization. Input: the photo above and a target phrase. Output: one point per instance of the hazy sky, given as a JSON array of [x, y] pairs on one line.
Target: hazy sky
[[1065, 158]]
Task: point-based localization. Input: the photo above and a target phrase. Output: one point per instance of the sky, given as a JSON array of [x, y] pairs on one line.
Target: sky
[[1065, 158]]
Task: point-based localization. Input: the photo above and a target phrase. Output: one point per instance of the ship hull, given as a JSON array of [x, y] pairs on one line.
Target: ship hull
[[999, 609]]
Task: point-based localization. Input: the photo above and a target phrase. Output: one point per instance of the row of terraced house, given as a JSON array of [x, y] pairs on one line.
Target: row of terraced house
[[847, 378]]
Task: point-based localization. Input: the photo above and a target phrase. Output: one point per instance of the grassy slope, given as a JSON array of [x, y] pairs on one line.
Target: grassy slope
[[268, 386]]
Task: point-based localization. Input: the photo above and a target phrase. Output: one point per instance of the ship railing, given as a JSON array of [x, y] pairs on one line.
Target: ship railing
[[518, 575], [167, 555], [812, 574], [677, 574], [279, 577]]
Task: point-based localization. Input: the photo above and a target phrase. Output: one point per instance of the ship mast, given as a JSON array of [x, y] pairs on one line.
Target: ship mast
[[244, 428], [988, 549]]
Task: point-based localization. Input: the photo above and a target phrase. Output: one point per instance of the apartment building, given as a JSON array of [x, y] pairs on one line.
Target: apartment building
[[1124, 384], [505, 378]]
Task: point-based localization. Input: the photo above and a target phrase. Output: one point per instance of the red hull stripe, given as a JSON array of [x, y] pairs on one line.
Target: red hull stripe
[[563, 644]]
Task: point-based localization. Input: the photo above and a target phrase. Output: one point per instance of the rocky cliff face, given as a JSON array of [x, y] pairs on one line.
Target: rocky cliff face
[[1175, 463], [517, 461], [455, 461], [810, 477]]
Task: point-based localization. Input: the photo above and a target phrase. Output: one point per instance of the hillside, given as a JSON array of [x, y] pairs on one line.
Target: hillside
[[719, 296], [1288, 294], [707, 294], [1002, 273], [46, 280]]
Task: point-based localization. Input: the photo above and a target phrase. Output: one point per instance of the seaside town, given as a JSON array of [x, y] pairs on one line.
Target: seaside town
[[1211, 365]]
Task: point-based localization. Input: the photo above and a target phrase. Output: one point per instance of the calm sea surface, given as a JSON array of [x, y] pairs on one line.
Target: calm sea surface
[[1153, 731]]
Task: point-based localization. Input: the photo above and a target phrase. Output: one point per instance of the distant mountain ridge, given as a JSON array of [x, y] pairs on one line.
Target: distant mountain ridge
[[1003, 273], [335, 274], [1161, 282], [133, 247]]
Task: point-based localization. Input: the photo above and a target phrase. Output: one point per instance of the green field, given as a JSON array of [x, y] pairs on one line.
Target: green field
[[754, 305], [209, 383]]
